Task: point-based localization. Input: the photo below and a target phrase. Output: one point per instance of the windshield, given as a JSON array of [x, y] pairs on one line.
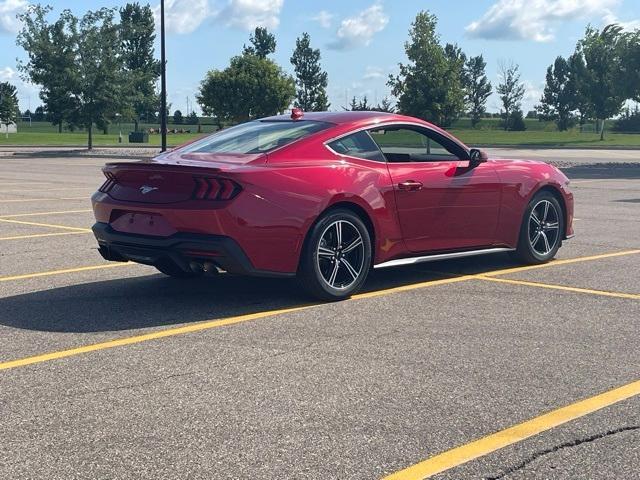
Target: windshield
[[256, 137]]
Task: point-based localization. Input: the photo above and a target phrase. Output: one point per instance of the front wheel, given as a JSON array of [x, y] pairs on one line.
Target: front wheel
[[541, 230], [337, 256]]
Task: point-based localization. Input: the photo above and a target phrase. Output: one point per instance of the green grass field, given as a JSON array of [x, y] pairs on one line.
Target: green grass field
[[487, 133]]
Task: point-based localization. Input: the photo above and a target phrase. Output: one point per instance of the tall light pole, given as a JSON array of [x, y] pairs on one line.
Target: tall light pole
[[163, 82]]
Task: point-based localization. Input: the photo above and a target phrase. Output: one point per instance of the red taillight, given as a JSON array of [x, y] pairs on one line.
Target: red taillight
[[109, 184], [208, 188]]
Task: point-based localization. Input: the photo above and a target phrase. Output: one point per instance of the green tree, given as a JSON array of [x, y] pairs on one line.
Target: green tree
[[559, 96], [178, 119], [429, 85], [141, 69], [8, 104], [578, 73], [51, 52], [454, 104], [311, 80], [262, 45], [603, 85], [477, 87], [385, 106], [39, 114], [630, 66], [97, 80], [192, 119], [250, 87], [511, 92]]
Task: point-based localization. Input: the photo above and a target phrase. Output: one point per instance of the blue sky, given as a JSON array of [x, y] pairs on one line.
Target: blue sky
[[361, 40]]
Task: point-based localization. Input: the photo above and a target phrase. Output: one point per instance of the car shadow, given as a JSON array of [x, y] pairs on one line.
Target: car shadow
[[156, 300]]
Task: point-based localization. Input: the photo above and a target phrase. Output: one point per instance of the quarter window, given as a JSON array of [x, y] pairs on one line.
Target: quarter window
[[358, 145]]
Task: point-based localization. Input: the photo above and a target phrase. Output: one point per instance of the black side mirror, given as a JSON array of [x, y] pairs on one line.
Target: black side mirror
[[477, 156]]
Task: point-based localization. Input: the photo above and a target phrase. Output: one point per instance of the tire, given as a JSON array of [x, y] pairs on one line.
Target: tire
[[541, 231], [333, 270], [174, 271]]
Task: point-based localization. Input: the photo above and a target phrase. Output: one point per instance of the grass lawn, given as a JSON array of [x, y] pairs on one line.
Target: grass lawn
[[488, 133], [80, 139], [546, 139]]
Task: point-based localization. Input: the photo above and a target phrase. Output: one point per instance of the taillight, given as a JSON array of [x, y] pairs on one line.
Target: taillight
[[109, 184], [208, 188]]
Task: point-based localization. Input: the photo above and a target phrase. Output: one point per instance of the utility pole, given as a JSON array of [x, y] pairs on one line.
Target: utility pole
[[163, 81]]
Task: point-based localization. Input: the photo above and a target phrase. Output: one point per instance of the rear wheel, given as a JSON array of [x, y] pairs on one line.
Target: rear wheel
[[541, 230], [337, 256]]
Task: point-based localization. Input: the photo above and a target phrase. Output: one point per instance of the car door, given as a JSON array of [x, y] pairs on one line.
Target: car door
[[443, 203]]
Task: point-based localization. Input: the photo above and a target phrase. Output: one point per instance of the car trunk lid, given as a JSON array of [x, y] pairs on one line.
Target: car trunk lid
[[171, 178]]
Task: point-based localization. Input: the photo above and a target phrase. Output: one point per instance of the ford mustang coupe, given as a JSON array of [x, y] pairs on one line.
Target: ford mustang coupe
[[327, 197]]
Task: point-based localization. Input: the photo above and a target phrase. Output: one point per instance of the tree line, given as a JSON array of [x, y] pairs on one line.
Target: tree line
[[101, 67], [93, 69], [594, 82]]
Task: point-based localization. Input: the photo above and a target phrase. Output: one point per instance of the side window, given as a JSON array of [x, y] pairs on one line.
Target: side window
[[406, 144], [358, 145]]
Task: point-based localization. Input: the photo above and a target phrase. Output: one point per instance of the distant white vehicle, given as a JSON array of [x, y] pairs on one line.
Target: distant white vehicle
[[7, 129]]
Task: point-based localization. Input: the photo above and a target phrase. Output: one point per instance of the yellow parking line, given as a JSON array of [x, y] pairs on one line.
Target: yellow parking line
[[36, 214], [170, 332], [62, 189], [24, 183], [48, 225], [18, 200], [489, 444], [66, 270], [40, 235], [566, 261], [561, 287], [198, 327], [143, 338]]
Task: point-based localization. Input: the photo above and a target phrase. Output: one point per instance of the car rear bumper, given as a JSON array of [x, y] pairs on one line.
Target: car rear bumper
[[180, 249]]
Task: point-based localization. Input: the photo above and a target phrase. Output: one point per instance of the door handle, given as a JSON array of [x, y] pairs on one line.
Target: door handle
[[410, 186]]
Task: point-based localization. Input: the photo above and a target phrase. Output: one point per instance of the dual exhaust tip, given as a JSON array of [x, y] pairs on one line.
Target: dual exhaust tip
[[208, 268]]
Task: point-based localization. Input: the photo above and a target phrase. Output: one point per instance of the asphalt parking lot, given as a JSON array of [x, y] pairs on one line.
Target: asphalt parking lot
[[113, 371]]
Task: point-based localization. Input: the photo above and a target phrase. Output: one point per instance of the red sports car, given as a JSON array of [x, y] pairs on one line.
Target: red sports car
[[327, 197]]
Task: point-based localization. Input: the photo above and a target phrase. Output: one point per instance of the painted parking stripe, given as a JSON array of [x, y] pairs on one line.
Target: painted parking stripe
[[37, 214], [509, 436], [207, 325], [61, 189], [66, 270], [48, 225], [565, 261], [561, 287], [23, 200], [41, 235]]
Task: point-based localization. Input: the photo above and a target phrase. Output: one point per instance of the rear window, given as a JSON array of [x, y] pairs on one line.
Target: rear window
[[256, 137]]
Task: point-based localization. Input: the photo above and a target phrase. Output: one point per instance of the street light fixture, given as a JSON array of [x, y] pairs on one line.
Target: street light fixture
[[163, 82]]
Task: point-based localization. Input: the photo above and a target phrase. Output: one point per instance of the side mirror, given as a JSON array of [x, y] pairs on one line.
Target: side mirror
[[477, 156]]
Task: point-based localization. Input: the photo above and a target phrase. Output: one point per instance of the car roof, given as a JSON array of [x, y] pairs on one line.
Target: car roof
[[361, 119], [341, 118]]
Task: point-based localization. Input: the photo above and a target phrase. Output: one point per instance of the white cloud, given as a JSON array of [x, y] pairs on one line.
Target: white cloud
[[27, 92], [8, 11], [324, 18], [249, 14], [183, 16], [610, 18], [534, 19], [532, 94], [358, 31], [7, 74], [373, 73]]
